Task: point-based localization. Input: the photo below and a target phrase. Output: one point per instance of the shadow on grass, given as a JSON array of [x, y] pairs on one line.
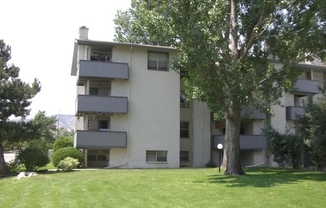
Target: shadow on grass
[[3, 176], [264, 177], [40, 172]]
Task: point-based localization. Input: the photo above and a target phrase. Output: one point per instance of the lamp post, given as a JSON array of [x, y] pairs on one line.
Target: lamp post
[[219, 147]]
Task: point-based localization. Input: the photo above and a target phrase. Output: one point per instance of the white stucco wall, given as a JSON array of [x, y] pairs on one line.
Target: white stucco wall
[[119, 122], [153, 121], [201, 134], [82, 52], [258, 125], [260, 157], [289, 99], [118, 157]]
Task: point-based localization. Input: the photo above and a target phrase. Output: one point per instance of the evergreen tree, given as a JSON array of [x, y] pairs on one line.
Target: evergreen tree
[[15, 98]]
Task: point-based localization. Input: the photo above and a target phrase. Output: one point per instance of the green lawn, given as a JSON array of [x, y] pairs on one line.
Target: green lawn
[[166, 188]]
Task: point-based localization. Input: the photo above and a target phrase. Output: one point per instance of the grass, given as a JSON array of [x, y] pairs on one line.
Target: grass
[[166, 188]]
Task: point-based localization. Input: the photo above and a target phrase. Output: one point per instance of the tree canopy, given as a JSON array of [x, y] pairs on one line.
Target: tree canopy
[[15, 98], [312, 129], [234, 53], [44, 126]]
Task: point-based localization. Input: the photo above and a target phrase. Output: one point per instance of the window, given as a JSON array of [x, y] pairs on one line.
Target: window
[[184, 129], [184, 156], [97, 155], [184, 103], [156, 156], [158, 61]]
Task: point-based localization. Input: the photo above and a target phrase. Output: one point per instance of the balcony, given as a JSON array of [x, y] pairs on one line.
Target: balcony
[[292, 112], [102, 70], [306, 87], [100, 139], [101, 104], [254, 114], [247, 142]]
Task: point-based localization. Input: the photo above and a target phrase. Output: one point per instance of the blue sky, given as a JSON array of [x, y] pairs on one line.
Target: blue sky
[[41, 35]]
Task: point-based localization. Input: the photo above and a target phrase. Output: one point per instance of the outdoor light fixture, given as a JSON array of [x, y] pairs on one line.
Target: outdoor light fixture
[[219, 147]]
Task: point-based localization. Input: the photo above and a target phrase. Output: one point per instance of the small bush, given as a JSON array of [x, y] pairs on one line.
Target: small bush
[[33, 158], [68, 164], [14, 166], [211, 164], [62, 153], [62, 142]]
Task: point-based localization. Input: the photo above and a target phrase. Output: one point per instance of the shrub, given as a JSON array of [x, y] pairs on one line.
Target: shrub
[[68, 164], [14, 166], [62, 153], [62, 142], [286, 147], [33, 158], [211, 164]]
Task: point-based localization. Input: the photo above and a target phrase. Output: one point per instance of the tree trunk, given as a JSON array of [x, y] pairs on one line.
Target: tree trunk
[[231, 160], [3, 166]]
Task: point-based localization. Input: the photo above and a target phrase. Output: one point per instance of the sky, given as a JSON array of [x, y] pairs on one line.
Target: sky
[[41, 34]]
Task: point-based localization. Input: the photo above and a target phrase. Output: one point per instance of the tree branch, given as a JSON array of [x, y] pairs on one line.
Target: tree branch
[[248, 43], [234, 30]]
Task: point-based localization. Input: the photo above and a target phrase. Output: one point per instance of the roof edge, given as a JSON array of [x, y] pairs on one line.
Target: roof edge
[[113, 43]]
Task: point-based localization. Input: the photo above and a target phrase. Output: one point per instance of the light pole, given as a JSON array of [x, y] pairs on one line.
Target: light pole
[[219, 147]]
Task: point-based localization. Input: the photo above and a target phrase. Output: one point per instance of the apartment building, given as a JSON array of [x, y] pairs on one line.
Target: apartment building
[[131, 110]]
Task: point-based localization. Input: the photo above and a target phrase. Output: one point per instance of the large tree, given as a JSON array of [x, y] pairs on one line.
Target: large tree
[[15, 98], [225, 49]]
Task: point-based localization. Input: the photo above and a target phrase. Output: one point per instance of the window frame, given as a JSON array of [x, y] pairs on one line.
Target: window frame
[[158, 61], [104, 124], [156, 156], [183, 130], [99, 155]]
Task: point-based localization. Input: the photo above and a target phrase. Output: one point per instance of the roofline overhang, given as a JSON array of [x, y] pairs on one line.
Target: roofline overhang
[[113, 44]]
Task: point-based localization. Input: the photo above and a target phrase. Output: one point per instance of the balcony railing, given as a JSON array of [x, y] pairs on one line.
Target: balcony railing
[[247, 142], [102, 70], [293, 112], [100, 139], [306, 87], [101, 104]]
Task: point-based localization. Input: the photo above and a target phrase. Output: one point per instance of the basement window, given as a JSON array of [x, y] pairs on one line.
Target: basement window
[[156, 156]]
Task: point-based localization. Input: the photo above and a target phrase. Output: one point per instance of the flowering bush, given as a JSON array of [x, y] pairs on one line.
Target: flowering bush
[[68, 164]]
